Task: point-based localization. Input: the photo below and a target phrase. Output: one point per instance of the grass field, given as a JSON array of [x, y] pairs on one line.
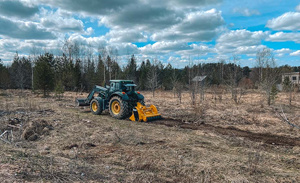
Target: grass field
[[54, 141]]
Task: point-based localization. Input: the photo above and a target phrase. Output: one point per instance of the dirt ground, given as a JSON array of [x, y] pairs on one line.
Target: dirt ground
[[213, 141]]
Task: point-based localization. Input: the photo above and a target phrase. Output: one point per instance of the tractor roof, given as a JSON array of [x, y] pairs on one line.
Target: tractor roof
[[125, 81]]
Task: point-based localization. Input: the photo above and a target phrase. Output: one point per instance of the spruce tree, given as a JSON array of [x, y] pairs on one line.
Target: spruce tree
[[44, 73], [143, 70], [4, 76], [77, 74], [131, 69]]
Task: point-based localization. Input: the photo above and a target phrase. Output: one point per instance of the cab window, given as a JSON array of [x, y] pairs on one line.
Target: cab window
[[112, 86], [117, 86]]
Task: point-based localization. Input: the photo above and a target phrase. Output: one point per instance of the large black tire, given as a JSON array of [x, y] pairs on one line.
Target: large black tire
[[95, 107], [118, 108]]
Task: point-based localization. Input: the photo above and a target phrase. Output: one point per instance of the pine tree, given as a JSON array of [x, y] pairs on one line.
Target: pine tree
[[167, 77], [116, 70], [100, 72], [67, 74], [4, 76], [142, 81], [131, 69], [77, 74], [90, 75], [44, 73]]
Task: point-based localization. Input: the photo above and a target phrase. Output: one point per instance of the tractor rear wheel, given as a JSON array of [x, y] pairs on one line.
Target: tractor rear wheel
[[95, 107], [118, 108]]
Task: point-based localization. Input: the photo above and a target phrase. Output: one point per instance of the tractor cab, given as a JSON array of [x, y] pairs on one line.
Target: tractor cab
[[122, 86], [129, 88]]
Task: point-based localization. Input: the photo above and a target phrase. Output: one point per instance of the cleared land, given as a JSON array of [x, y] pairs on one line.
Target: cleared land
[[212, 141]]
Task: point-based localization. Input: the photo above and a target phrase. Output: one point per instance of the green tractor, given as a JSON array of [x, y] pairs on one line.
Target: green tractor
[[119, 97]]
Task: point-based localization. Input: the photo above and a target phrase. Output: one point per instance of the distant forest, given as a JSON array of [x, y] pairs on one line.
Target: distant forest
[[72, 72]]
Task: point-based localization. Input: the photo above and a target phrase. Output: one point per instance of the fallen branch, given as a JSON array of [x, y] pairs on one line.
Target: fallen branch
[[285, 119], [2, 136], [13, 126]]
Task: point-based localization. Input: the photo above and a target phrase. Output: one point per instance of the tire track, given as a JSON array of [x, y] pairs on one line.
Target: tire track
[[267, 138]]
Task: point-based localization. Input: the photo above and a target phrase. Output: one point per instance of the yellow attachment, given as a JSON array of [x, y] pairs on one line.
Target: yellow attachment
[[94, 106], [116, 107], [143, 113]]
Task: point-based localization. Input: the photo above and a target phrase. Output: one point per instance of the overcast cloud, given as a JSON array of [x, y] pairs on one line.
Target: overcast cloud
[[170, 30]]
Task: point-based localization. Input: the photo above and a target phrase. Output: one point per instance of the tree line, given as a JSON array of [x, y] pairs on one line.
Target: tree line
[[70, 72]]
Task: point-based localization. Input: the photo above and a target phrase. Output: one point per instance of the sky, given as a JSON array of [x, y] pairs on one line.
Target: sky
[[179, 32]]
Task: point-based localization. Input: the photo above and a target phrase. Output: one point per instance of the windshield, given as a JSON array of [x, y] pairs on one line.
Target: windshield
[[129, 87]]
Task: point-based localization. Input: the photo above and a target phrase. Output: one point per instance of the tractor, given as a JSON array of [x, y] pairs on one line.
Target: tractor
[[122, 101]]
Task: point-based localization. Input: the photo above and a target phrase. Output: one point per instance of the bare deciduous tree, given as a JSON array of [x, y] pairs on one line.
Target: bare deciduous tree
[[289, 88], [233, 76], [174, 81], [21, 71], [268, 73], [178, 87], [152, 77]]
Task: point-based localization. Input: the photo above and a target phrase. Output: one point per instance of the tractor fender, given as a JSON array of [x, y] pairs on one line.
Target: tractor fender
[[120, 94], [140, 97]]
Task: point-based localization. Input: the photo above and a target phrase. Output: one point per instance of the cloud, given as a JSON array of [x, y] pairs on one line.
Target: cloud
[[23, 30], [249, 50], [283, 37], [89, 31], [126, 35], [283, 50], [196, 26], [8, 47], [92, 7], [104, 7], [298, 8], [177, 48], [125, 48], [240, 41], [243, 37], [175, 4], [164, 47], [17, 9], [193, 3], [295, 53], [197, 49], [246, 12], [59, 21], [287, 21], [94, 42], [142, 17]]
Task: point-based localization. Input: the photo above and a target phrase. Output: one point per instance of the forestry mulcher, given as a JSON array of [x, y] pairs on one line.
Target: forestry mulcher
[[122, 101]]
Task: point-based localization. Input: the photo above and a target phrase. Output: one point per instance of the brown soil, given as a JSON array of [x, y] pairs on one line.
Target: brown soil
[[232, 131]]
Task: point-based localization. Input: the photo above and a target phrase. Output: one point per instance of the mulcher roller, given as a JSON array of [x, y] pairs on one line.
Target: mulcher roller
[[143, 113]]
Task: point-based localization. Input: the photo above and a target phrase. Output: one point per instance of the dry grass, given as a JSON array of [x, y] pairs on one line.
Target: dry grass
[[87, 148], [252, 114]]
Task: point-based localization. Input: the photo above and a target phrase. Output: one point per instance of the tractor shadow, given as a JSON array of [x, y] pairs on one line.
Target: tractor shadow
[[87, 110]]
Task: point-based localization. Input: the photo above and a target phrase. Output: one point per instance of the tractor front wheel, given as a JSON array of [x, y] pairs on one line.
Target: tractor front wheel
[[95, 107], [118, 108]]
